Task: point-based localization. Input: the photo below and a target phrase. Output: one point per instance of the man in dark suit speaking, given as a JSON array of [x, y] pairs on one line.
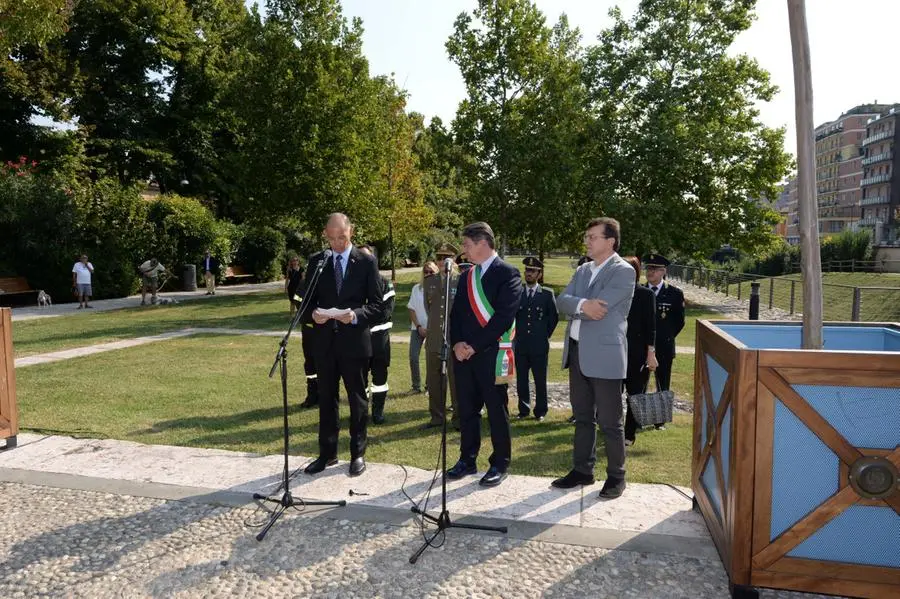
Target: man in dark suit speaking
[[346, 299], [482, 326]]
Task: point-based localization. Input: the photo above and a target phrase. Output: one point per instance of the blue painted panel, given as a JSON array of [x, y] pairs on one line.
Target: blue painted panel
[[717, 378], [865, 416], [711, 484], [703, 417], [726, 448], [861, 534], [804, 471], [788, 336]]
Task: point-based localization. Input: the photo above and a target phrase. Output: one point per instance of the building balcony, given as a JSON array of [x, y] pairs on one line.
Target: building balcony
[[878, 137], [875, 180], [877, 158], [870, 221], [875, 200]]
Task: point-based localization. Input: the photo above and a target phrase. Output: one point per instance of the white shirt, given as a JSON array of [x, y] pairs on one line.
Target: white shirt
[[487, 263], [82, 273], [532, 291], [658, 287], [417, 304], [595, 270]]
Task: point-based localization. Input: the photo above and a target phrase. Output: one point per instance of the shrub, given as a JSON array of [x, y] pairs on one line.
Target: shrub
[[261, 250]]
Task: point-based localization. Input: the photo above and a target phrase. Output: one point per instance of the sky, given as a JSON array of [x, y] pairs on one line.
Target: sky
[[852, 45]]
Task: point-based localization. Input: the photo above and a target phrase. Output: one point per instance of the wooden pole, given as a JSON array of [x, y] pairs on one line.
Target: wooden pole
[[811, 260]]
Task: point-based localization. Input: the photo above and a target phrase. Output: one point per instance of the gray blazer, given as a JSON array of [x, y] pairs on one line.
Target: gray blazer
[[602, 348]]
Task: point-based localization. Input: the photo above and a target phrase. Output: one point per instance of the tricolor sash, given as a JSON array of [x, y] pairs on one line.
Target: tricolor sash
[[506, 362]]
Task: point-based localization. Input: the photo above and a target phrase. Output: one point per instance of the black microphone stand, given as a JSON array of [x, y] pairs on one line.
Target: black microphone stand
[[287, 500], [443, 519]]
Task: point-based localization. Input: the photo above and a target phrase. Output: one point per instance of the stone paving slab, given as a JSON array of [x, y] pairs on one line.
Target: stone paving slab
[[655, 508], [75, 543]]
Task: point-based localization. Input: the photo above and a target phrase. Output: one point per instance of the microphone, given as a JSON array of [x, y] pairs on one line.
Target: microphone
[[448, 265], [326, 256]]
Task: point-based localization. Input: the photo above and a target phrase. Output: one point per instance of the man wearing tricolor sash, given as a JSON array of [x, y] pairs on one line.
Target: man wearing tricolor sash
[[482, 329]]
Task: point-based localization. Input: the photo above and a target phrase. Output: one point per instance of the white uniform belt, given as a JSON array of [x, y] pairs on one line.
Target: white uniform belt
[[388, 295], [379, 388], [381, 327]]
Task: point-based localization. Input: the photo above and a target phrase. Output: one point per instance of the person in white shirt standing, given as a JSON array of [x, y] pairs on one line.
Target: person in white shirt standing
[[81, 280], [418, 325]]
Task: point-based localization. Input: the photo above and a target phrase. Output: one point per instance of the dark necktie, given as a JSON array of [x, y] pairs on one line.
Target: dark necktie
[[531, 294], [654, 290], [338, 272]]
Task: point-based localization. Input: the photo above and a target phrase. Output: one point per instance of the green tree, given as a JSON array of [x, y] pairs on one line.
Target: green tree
[[683, 152], [32, 22]]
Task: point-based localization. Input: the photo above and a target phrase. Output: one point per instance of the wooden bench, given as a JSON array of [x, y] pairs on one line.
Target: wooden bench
[[237, 273], [15, 291]]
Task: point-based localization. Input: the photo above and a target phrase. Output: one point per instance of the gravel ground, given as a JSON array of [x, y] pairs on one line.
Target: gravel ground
[[62, 542]]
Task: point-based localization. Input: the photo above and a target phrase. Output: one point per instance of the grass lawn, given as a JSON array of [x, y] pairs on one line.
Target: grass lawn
[[837, 295], [213, 391]]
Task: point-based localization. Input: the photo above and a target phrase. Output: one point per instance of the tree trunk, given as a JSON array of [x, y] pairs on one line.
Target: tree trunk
[[810, 260]]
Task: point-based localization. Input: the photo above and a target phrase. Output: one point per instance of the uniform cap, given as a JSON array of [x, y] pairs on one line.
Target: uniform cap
[[533, 262], [655, 260]]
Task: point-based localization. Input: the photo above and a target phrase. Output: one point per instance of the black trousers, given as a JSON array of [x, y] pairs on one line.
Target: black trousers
[[664, 371], [476, 387], [332, 369], [635, 382], [309, 366], [536, 362], [378, 368]]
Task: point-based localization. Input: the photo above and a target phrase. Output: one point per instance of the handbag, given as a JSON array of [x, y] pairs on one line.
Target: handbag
[[652, 408]]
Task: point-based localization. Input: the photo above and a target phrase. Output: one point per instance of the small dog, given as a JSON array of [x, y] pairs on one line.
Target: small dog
[[44, 300], [166, 301]]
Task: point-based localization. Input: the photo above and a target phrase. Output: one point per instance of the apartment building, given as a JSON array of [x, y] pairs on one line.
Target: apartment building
[[880, 201]]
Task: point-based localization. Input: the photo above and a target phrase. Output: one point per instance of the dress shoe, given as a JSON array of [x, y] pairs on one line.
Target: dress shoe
[[357, 466], [431, 425], [319, 464], [493, 478], [308, 404], [461, 469], [660, 427], [629, 442], [572, 480], [521, 416], [571, 420], [539, 418], [377, 418], [612, 488]]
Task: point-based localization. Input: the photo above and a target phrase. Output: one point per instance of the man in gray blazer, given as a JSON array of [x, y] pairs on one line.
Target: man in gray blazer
[[597, 301]]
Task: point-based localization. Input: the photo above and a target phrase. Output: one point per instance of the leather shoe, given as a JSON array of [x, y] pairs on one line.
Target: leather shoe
[[571, 420], [431, 425], [521, 416], [612, 488], [660, 427], [493, 478], [539, 418], [308, 404], [461, 469], [629, 442], [377, 418], [319, 464], [357, 466], [572, 480]]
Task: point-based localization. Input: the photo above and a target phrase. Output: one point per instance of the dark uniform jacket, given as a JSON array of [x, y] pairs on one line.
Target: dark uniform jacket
[[535, 321], [381, 325], [669, 318], [641, 328]]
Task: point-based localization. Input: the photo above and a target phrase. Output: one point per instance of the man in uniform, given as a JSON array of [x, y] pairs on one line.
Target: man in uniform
[[381, 346], [535, 322], [308, 341], [433, 288], [669, 319]]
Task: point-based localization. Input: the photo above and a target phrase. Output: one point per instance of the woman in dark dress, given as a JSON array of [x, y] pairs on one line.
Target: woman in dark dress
[[293, 282], [641, 336]]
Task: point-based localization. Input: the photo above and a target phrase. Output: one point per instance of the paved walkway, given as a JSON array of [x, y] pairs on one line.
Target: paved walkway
[[97, 518]]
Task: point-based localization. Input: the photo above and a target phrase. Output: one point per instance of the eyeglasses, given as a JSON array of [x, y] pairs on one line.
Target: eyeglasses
[[592, 237]]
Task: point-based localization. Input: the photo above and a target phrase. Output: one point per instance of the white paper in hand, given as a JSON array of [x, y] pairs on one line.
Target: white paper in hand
[[334, 312]]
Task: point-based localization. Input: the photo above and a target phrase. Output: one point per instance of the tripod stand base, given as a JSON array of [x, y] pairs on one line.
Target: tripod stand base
[[443, 522], [286, 501]]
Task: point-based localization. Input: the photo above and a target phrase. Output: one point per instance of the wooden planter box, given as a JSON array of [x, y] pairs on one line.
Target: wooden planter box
[[9, 426], [796, 454]]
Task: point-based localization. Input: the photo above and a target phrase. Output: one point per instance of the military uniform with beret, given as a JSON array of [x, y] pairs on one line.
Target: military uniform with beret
[[535, 322], [669, 322], [433, 288]]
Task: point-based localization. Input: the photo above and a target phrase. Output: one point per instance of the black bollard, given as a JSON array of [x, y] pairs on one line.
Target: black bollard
[[754, 301]]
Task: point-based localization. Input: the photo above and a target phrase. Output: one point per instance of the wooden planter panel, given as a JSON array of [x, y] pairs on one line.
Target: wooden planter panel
[[9, 426], [776, 433]]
